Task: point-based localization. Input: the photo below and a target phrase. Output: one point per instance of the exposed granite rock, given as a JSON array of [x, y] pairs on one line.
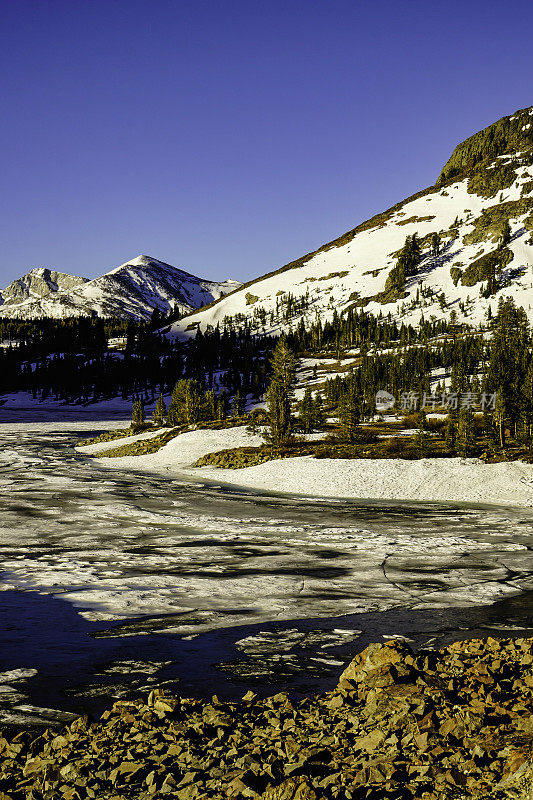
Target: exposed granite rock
[[38, 283], [512, 133], [484, 267], [456, 723]]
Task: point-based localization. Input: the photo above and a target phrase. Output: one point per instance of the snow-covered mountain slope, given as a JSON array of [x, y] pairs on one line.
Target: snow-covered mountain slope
[[38, 283], [487, 182], [133, 290]]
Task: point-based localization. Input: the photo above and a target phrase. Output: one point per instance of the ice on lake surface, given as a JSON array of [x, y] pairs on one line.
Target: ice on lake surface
[[215, 587]]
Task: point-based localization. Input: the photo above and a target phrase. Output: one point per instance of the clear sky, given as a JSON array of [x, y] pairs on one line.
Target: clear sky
[[231, 136]]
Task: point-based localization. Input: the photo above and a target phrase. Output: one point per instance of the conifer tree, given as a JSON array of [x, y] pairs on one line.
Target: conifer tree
[[222, 407], [528, 405], [254, 424], [500, 412], [160, 411], [465, 433], [278, 396], [237, 406], [450, 435], [306, 414], [191, 405], [137, 416], [318, 411], [349, 417], [410, 254], [173, 409], [209, 405], [508, 364]]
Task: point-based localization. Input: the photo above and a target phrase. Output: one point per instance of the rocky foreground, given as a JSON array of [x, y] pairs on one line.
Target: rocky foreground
[[455, 723]]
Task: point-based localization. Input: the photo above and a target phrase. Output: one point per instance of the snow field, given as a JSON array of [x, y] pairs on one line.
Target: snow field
[[431, 479]]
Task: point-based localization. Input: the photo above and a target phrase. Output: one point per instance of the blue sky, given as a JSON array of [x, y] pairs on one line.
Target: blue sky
[[231, 137]]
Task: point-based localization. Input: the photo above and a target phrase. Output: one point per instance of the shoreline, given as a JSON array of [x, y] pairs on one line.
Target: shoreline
[[433, 480], [398, 723]]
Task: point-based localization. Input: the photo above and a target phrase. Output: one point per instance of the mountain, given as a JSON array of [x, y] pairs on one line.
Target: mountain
[[36, 285], [486, 183], [132, 291]]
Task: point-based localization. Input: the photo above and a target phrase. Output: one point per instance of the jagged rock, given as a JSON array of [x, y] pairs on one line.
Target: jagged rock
[[378, 658], [293, 789], [516, 786], [437, 725]]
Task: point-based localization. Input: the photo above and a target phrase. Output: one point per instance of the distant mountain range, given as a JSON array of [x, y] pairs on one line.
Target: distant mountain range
[[132, 291], [486, 183]]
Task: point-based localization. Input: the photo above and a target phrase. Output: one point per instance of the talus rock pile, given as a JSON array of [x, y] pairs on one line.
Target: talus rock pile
[[455, 723]]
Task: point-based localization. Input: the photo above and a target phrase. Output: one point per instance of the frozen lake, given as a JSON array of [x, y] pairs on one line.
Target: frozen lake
[[112, 583]]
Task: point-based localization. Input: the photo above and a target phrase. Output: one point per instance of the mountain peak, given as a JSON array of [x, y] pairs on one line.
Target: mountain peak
[[142, 260], [133, 290], [508, 135]]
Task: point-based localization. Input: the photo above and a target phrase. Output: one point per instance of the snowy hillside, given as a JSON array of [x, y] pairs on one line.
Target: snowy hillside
[[133, 290], [487, 182]]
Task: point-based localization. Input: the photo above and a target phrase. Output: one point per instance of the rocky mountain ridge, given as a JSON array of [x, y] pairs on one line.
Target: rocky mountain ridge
[[134, 290], [36, 284], [486, 183], [511, 133]]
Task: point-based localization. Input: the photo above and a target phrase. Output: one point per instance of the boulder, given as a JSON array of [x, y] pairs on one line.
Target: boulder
[[376, 660]]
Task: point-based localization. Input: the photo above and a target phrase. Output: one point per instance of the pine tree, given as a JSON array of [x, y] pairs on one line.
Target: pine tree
[[492, 282], [156, 320], [131, 337], [450, 435], [173, 409], [160, 412], [466, 439], [349, 417], [410, 255], [508, 364], [279, 427], [306, 414], [222, 407], [191, 406], [318, 411], [500, 412], [527, 406], [209, 405], [450, 430], [415, 253], [237, 406], [137, 415], [396, 278], [278, 396]]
